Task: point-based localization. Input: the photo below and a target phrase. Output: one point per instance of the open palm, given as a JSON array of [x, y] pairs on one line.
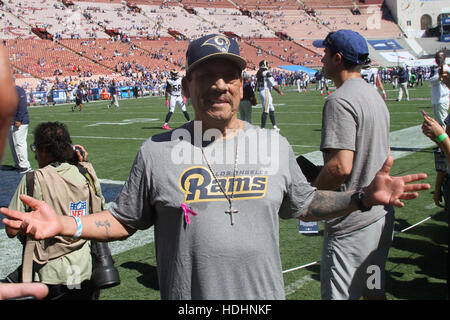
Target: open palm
[[387, 190], [41, 223]]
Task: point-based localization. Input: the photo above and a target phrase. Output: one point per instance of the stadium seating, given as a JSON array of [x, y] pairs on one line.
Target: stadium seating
[[373, 22], [40, 58], [118, 17], [114, 55], [208, 3], [56, 18], [102, 36], [177, 18], [13, 28], [232, 20], [288, 52], [268, 5], [328, 4], [297, 23]]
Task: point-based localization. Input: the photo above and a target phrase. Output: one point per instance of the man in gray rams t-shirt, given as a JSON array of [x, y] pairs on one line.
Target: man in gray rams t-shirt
[[210, 258], [355, 144], [215, 203]]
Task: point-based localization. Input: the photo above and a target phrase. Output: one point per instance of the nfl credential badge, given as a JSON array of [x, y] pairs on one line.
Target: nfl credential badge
[[221, 43], [78, 209]]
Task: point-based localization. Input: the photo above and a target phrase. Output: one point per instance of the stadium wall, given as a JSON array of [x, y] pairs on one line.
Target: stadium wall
[[414, 17]]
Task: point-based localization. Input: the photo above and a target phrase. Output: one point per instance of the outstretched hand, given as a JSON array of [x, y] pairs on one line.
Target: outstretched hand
[[387, 190], [41, 223]]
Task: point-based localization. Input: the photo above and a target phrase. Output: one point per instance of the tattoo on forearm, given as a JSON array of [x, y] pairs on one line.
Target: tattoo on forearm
[[329, 204], [104, 224]]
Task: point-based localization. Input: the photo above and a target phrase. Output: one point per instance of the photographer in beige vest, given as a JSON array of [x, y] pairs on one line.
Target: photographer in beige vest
[[62, 263]]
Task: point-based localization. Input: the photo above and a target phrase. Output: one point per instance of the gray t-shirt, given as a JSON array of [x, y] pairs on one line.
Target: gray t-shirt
[[210, 258], [356, 118]]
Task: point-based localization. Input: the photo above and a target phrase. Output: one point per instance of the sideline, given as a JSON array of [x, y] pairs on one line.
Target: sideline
[[403, 143]]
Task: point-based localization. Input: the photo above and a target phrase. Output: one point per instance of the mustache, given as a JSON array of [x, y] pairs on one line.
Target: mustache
[[225, 98]]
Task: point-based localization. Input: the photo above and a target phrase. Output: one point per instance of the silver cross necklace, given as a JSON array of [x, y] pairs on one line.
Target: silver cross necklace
[[231, 211]]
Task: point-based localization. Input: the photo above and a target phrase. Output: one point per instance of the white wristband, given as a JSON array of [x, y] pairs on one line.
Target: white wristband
[[79, 228]]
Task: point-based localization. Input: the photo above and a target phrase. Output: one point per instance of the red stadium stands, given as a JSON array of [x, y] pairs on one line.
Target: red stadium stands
[[208, 3], [40, 58], [103, 35]]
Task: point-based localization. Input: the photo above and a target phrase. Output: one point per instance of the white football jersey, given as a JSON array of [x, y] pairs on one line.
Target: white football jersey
[[370, 75], [266, 81], [174, 87]]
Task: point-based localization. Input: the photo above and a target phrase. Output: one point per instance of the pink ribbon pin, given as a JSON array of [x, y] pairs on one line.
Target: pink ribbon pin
[[186, 211]]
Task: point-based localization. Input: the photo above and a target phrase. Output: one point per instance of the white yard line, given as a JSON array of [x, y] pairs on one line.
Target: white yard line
[[297, 285], [403, 143]]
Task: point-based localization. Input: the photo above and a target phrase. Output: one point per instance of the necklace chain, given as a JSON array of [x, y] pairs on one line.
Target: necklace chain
[[229, 198]]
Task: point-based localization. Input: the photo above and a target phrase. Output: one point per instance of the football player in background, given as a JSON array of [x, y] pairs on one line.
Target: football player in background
[[264, 84], [79, 98], [114, 97], [372, 77], [173, 89]]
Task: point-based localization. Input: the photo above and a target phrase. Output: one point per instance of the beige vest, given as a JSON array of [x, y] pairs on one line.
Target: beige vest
[[67, 199]]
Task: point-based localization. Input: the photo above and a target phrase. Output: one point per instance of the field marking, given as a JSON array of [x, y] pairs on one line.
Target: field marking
[[113, 182], [11, 253], [301, 267], [395, 233], [414, 225], [400, 140], [124, 122], [303, 146], [297, 285], [109, 138]]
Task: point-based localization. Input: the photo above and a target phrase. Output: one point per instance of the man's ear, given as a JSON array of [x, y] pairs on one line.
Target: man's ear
[[337, 58], [242, 86], [185, 89]]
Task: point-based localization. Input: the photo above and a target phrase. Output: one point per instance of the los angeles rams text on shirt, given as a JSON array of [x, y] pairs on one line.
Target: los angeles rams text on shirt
[[198, 184]]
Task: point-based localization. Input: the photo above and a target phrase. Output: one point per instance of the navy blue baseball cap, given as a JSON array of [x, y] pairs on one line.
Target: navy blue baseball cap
[[350, 44], [213, 46]]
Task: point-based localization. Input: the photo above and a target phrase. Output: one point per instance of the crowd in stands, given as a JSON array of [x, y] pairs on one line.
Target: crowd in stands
[[95, 38], [152, 83], [149, 84]]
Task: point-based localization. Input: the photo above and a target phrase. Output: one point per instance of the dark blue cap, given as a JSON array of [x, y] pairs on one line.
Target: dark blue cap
[[350, 44], [213, 46]]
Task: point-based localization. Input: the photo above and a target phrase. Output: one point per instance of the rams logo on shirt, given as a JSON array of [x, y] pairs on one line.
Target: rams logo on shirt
[[198, 185]]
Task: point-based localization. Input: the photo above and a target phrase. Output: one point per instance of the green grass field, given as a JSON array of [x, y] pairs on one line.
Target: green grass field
[[417, 264]]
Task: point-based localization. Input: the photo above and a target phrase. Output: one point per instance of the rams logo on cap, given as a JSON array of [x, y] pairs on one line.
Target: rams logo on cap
[[221, 43]]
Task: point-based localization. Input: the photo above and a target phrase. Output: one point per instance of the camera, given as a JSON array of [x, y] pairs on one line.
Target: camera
[[80, 150], [104, 273]]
